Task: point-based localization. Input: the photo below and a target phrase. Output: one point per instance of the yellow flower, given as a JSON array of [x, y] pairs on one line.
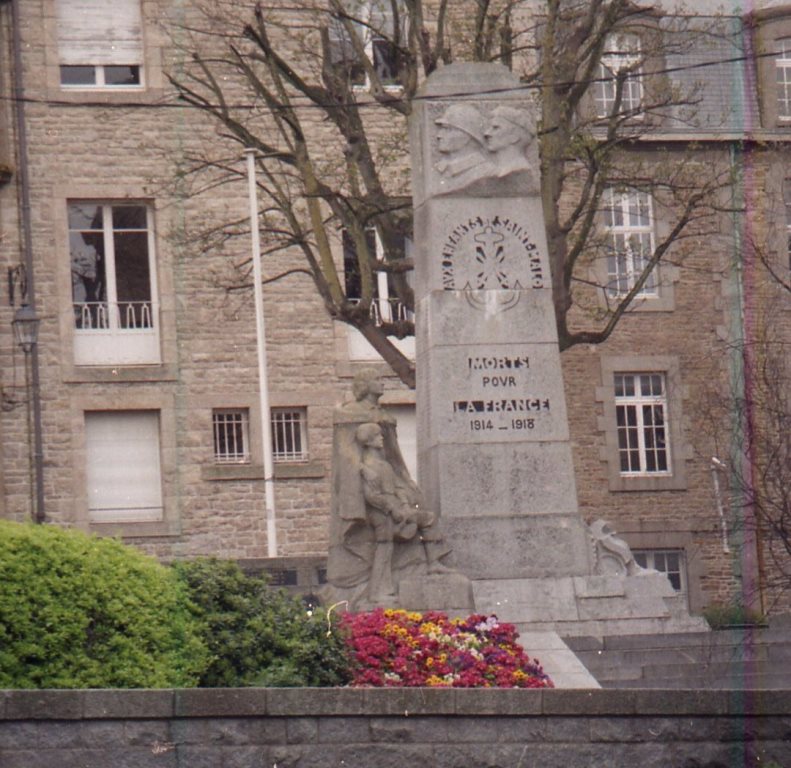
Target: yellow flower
[[436, 682], [415, 616], [429, 662]]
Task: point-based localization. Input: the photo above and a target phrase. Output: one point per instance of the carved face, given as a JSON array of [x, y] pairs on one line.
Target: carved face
[[501, 133], [451, 139], [376, 440]]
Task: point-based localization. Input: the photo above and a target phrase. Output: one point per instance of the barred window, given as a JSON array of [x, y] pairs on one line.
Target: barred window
[[667, 561], [621, 54], [783, 74], [289, 434], [231, 435], [641, 415], [629, 222]]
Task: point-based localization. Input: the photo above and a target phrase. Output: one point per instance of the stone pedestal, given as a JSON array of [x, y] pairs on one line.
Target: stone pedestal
[[493, 442], [494, 456]]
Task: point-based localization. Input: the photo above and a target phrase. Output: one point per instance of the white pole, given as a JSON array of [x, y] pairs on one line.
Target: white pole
[[263, 391]]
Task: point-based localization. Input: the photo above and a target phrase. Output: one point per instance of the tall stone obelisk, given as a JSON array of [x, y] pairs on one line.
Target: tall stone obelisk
[[493, 442]]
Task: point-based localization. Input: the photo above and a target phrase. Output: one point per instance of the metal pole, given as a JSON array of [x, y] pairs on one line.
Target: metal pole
[[39, 513], [263, 391]]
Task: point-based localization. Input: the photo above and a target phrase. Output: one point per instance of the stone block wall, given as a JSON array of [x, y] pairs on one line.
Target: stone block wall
[[323, 728]]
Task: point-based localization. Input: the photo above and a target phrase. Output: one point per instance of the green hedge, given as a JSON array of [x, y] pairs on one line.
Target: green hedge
[[77, 611], [258, 635]]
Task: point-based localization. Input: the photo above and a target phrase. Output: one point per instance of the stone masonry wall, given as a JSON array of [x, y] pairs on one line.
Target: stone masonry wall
[[328, 728], [113, 146]]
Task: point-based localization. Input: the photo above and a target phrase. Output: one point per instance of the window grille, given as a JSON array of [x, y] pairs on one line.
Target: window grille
[[289, 434], [231, 436]]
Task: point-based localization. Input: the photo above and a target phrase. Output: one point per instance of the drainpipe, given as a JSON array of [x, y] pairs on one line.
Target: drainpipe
[[38, 512], [744, 359]]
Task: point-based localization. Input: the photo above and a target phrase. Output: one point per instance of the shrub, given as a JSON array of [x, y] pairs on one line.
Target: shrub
[[258, 635], [724, 616], [396, 648], [78, 611]]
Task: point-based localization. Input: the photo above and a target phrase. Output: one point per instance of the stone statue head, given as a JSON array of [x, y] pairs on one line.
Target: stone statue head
[[509, 126], [457, 125], [367, 382], [369, 434]]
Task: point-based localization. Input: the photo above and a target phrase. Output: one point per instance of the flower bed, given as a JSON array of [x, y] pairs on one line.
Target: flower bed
[[396, 648]]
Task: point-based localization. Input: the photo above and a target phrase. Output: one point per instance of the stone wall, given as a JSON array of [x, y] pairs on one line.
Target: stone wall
[[303, 728], [99, 145]]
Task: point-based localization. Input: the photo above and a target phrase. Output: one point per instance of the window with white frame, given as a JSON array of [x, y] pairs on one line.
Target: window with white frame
[[122, 466], [100, 43], [668, 561], [385, 307], [621, 57], [783, 79], [380, 31], [628, 219], [231, 431], [641, 417], [113, 282], [289, 434]]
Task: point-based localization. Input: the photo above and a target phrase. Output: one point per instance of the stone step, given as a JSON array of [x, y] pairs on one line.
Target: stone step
[[679, 657], [754, 682], [781, 635], [722, 659]]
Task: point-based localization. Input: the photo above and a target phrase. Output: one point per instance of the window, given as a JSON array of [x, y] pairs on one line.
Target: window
[[380, 34], [621, 55], [289, 434], [231, 436], [783, 78], [385, 307], [641, 413], [667, 561], [100, 43], [113, 283], [123, 466], [629, 222], [642, 425]]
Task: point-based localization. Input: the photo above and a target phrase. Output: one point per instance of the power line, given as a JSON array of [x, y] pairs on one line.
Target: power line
[[180, 103]]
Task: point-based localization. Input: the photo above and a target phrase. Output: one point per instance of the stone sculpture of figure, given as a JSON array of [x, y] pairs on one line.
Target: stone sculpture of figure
[[508, 134], [355, 522], [461, 143], [395, 512], [613, 555]]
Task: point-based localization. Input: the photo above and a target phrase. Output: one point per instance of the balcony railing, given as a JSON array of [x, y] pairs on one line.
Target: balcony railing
[[116, 333], [389, 311], [103, 315]]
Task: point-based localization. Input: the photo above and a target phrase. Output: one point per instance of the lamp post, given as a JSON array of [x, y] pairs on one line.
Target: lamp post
[[25, 325]]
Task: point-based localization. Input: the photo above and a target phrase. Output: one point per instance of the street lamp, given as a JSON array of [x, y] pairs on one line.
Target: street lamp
[[25, 324]]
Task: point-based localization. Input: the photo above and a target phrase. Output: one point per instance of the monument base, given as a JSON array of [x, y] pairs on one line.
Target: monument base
[[591, 605], [449, 592]]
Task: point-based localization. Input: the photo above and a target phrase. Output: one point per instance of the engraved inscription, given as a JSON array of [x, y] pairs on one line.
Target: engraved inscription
[[491, 253]]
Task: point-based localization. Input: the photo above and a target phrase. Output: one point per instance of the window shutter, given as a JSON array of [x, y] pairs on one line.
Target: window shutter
[[122, 466], [100, 32]]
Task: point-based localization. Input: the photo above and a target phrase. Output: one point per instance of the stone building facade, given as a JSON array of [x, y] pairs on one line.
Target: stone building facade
[[148, 386]]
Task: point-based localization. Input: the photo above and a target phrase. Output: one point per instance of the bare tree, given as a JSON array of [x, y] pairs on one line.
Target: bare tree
[[322, 89]]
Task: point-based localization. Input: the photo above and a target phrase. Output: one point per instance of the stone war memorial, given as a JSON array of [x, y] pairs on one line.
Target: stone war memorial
[[495, 526]]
